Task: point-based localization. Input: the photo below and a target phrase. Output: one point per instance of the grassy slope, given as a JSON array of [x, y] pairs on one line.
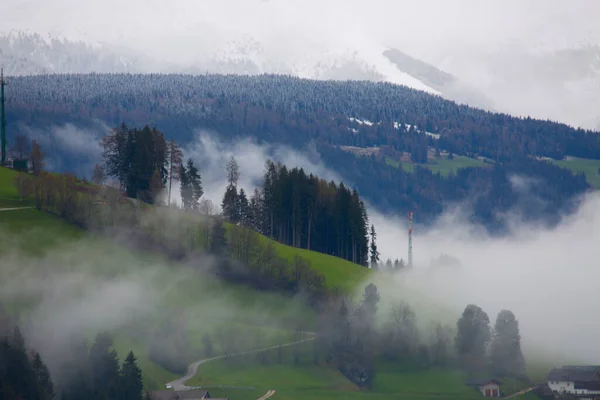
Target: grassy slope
[[291, 381], [338, 272], [39, 234], [442, 165], [587, 166]]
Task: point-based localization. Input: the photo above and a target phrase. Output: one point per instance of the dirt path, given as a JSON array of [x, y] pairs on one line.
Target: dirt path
[[179, 384], [267, 395], [14, 208], [520, 393]]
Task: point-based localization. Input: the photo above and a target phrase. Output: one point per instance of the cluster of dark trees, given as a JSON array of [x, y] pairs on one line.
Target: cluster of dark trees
[[94, 372], [263, 107], [350, 339], [479, 346], [23, 374], [303, 211], [84, 372], [242, 256], [144, 164]]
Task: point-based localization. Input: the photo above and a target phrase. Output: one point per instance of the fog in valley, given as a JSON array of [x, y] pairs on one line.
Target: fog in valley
[[527, 57], [545, 276]]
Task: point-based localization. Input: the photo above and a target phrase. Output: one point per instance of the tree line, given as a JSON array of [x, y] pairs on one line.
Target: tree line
[[301, 210], [354, 336], [320, 112], [291, 207], [85, 372]]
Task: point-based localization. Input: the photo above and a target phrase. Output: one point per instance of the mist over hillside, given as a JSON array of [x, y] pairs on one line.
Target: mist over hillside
[[335, 40]]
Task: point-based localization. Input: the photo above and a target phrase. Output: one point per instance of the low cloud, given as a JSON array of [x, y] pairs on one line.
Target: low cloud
[[69, 148], [546, 276]]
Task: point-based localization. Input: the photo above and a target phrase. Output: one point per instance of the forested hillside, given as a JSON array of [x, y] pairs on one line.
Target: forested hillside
[[291, 111]]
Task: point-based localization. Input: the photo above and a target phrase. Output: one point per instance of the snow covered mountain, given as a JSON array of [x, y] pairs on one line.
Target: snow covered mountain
[[525, 57]]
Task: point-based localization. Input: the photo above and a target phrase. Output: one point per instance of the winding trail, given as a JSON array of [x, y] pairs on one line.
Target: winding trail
[[179, 384], [520, 393], [267, 395], [14, 208]]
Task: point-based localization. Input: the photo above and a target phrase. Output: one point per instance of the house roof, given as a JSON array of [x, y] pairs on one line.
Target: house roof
[[573, 373], [481, 382], [587, 385], [179, 395]]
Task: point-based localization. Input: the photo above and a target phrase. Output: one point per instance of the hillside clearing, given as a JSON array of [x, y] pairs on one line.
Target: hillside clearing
[[589, 167], [441, 165]]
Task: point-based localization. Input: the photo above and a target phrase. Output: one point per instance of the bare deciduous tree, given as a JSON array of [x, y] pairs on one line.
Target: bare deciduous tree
[[36, 157], [99, 176]]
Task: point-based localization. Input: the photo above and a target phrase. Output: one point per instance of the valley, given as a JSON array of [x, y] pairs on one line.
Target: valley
[[260, 199]]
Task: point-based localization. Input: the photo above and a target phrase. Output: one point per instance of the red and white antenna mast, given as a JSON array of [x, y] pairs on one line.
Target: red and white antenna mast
[[410, 258]]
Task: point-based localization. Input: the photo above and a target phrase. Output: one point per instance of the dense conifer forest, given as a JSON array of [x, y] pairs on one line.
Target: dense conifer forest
[[297, 112]]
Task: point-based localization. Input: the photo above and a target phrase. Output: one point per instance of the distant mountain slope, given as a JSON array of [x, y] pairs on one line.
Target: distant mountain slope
[[560, 85], [30, 54], [448, 85], [280, 110]]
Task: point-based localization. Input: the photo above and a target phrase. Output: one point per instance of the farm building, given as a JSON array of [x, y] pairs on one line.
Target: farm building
[[580, 381], [487, 387], [181, 395]]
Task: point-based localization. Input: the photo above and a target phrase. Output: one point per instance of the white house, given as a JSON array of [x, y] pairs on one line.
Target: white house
[[581, 381], [487, 387]]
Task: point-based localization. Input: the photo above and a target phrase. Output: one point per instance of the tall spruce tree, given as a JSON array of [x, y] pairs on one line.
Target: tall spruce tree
[[185, 188], [131, 379], [233, 172], [175, 161], [244, 212], [105, 370], [195, 185], [374, 252], [229, 205], [44, 382]]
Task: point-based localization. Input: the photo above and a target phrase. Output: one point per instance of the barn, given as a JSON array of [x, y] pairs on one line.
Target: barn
[[487, 387]]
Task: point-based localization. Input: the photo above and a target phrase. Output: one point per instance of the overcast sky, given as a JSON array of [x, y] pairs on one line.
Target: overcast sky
[[421, 27]]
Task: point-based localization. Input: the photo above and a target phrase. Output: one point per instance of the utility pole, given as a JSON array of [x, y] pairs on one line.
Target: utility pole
[[410, 258], [2, 116]]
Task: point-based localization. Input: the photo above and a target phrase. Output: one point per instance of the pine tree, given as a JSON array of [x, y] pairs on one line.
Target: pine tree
[[233, 172], [229, 205], [105, 371], [45, 386], [244, 212], [257, 212], [374, 252], [131, 379], [175, 159], [186, 189], [195, 182]]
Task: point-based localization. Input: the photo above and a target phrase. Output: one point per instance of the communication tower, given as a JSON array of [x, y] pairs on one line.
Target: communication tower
[[2, 117], [410, 258]]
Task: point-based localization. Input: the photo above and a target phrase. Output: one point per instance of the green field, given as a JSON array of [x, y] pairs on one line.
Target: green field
[[42, 246], [589, 167], [441, 165]]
